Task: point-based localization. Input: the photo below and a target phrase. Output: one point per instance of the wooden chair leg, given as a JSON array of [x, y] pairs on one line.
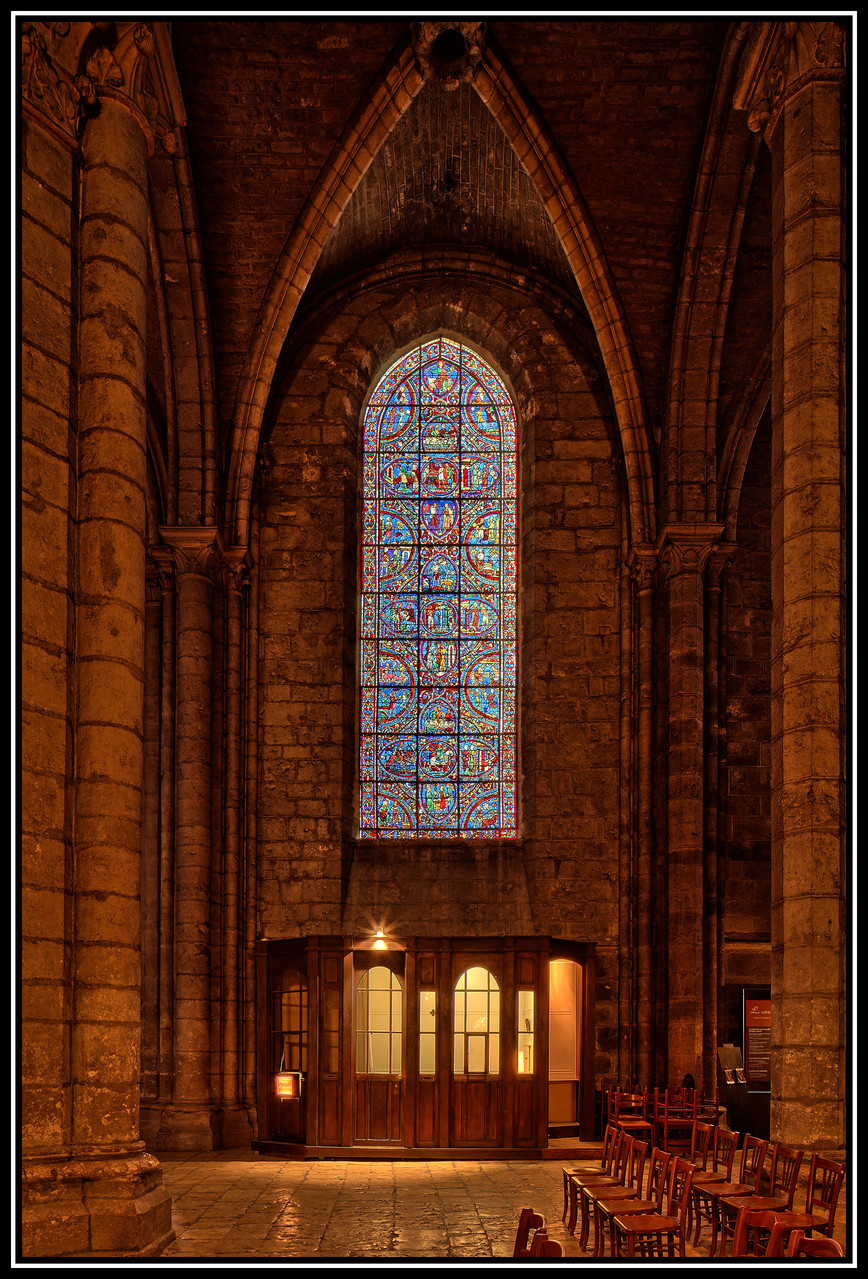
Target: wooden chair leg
[[574, 1205]]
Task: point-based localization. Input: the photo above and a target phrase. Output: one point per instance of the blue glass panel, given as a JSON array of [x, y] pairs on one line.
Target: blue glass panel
[[438, 608]]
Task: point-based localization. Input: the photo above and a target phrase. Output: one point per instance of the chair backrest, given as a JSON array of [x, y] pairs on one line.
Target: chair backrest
[[633, 1104], [636, 1170], [753, 1158], [542, 1246], [700, 1140], [784, 1174], [608, 1142], [759, 1223], [825, 1179], [621, 1156], [528, 1220], [801, 1246], [723, 1148], [680, 1181], [658, 1178]]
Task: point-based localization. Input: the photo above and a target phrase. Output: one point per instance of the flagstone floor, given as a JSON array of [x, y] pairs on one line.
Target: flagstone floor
[[235, 1206]]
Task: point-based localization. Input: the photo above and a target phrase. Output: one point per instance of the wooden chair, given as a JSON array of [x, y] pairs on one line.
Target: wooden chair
[[783, 1179], [825, 1179], [616, 1177], [528, 1220], [600, 1165], [755, 1235], [753, 1157], [629, 1111], [607, 1203], [630, 1188], [617, 1160], [722, 1152], [801, 1246], [674, 1126], [543, 1247], [700, 1143], [644, 1235]]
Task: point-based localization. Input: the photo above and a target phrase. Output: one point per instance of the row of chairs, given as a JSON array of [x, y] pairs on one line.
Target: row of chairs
[[532, 1238], [699, 1187], [663, 1116]]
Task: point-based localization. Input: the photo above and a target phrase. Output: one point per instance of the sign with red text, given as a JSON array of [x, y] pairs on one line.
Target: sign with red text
[[757, 1038]]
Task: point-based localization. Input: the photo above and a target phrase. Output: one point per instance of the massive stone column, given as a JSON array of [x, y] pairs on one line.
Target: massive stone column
[[191, 1120], [120, 1184], [683, 550], [792, 83]]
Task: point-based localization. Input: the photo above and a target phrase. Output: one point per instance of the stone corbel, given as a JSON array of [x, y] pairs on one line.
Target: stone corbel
[[778, 60]]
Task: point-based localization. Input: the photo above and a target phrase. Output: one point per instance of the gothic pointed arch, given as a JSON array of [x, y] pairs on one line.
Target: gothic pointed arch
[[389, 99]]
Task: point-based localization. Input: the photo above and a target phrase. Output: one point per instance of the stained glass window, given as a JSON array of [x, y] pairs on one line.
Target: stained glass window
[[438, 616]]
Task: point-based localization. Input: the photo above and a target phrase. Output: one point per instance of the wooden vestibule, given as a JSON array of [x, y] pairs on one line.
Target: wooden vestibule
[[441, 1047]]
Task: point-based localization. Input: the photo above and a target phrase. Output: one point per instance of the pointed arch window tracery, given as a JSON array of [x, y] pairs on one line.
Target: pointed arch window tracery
[[438, 608]]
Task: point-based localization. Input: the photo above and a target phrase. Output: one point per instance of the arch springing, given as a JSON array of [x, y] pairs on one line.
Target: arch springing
[[438, 612]]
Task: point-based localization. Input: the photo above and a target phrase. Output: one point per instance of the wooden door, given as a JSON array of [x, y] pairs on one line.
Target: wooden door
[[379, 1056]]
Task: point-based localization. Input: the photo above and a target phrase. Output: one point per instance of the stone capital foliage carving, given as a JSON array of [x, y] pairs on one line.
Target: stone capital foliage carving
[[779, 59], [237, 562], [685, 548], [162, 564], [196, 550], [642, 563], [48, 92], [718, 559], [67, 67], [450, 50]]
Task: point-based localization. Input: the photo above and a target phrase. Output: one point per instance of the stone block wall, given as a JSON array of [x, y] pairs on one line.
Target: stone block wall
[[564, 876]]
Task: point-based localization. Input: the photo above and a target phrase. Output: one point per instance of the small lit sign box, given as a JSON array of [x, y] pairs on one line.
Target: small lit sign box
[[288, 1083]]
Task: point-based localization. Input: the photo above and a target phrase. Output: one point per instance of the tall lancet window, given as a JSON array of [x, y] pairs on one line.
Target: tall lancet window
[[438, 616]]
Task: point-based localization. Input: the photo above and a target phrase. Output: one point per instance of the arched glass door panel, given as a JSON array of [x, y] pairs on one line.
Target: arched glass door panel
[[379, 1023], [476, 1037], [438, 615], [379, 1030]]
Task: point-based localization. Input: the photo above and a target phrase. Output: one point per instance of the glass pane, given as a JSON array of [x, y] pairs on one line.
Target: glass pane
[[476, 1054], [458, 1054], [525, 1010], [438, 625], [378, 1049], [478, 979], [494, 1054], [396, 1054]]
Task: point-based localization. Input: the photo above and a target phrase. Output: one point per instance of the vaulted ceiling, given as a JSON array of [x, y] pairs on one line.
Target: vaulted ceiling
[[625, 103]]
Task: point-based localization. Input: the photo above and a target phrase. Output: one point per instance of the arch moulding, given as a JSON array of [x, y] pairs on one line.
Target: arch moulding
[[391, 95]]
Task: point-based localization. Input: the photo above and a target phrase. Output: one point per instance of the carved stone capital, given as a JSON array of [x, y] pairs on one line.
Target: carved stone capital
[[718, 559], [642, 563], [195, 549], [49, 94], [685, 548], [68, 67], [237, 562], [164, 567], [778, 60], [449, 50]]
